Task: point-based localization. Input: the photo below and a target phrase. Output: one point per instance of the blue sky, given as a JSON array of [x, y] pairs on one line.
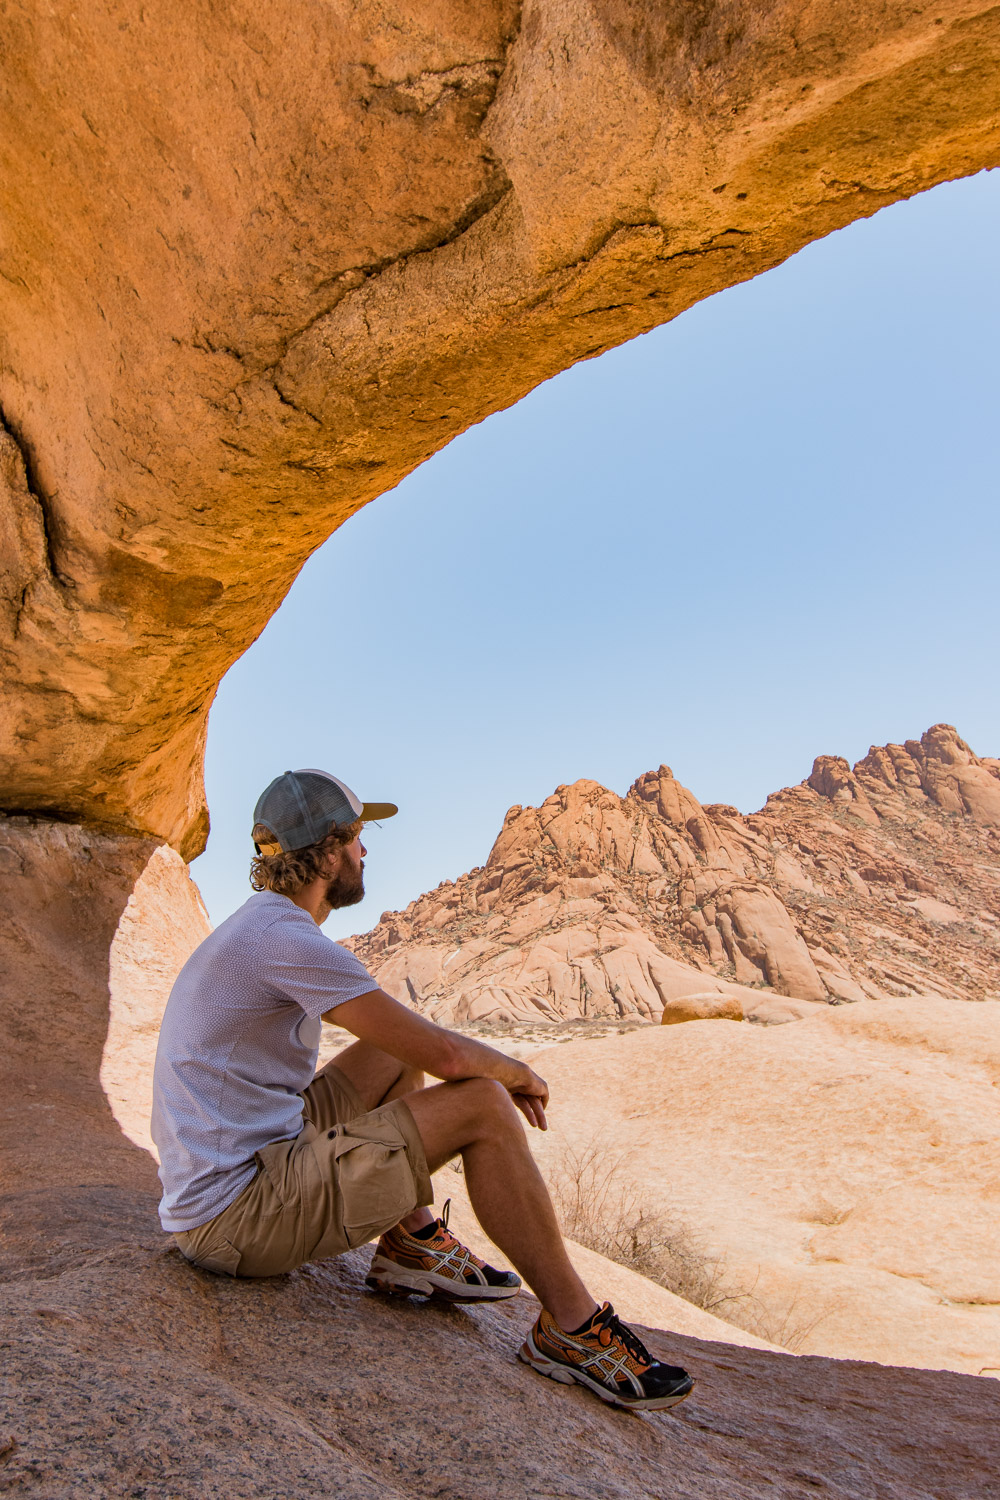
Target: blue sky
[[763, 532]]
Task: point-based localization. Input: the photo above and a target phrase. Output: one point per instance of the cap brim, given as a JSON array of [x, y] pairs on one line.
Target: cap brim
[[374, 812]]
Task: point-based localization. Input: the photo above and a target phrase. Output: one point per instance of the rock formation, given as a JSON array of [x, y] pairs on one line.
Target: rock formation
[[159, 929], [135, 1375], [879, 881], [71, 1184], [259, 262], [841, 1173]]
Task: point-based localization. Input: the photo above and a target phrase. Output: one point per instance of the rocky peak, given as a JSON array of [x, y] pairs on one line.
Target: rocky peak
[[833, 779], [939, 768], [872, 881]]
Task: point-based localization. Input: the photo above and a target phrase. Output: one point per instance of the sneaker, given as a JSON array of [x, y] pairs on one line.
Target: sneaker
[[607, 1357], [437, 1265]]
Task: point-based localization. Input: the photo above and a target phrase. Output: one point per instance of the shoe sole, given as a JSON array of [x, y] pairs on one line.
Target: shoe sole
[[386, 1276], [535, 1360]]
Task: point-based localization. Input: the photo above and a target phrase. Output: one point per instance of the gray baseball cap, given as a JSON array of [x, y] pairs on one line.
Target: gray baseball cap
[[300, 808]]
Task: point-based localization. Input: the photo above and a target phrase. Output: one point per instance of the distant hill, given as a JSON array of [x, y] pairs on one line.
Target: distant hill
[[881, 880]]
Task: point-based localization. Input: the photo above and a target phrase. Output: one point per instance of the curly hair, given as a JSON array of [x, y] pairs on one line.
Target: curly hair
[[287, 873]]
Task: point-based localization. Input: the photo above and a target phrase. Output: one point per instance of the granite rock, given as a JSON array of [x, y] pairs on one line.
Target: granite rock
[[879, 881], [135, 1374], [260, 262], [841, 1172]]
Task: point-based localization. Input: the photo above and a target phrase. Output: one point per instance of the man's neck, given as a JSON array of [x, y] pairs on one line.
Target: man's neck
[[312, 898]]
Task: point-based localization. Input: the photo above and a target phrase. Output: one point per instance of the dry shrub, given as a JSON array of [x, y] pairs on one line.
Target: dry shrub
[[601, 1209]]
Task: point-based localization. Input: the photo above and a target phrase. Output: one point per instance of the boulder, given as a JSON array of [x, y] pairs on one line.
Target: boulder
[[707, 1006]]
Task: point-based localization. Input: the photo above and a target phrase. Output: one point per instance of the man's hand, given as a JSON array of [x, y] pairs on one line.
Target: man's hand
[[531, 1095]]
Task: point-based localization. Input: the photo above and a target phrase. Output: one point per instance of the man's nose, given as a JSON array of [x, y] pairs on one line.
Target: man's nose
[[364, 851]]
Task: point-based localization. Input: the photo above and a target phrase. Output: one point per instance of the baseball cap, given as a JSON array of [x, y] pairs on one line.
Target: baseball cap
[[300, 808]]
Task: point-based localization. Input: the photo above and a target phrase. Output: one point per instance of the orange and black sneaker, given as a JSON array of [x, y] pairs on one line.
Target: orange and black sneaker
[[607, 1357], [433, 1263]]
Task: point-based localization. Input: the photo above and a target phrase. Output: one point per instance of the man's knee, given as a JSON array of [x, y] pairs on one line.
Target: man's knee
[[491, 1104]]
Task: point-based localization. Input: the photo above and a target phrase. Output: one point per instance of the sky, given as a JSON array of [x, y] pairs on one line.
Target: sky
[[763, 532]]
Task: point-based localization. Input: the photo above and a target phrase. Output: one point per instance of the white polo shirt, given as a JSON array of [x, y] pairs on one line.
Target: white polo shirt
[[238, 1044]]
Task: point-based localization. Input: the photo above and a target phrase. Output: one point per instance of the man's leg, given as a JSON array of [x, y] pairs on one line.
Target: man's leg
[[377, 1079], [374, 1075], [478, 1119]]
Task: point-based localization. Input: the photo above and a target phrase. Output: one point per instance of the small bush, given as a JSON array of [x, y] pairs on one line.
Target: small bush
[[601, 1209]]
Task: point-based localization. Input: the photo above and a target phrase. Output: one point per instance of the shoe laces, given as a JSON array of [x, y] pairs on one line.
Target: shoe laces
[[443, 1237], [610, 1320], [441, 1229], [444, 1232]]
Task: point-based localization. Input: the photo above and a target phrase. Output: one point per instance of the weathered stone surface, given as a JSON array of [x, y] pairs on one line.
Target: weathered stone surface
[[844, 1170], [69, 1180], [135, 1374], [880, 881], [258, 262], [162, 924]]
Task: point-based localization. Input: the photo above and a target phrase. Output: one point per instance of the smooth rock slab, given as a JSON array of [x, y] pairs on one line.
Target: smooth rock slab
[[136, 1375]]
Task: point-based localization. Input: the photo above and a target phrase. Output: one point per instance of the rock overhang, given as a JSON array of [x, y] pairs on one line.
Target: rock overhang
[[260, 266]]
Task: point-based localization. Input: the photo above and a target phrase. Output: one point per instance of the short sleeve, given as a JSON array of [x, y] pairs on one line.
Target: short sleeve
[[304, 966]]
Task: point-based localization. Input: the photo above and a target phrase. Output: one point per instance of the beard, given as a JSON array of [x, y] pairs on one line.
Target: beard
[[346, 889]]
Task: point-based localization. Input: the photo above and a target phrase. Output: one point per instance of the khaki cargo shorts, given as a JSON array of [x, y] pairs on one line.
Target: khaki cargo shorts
[[345, 1178]]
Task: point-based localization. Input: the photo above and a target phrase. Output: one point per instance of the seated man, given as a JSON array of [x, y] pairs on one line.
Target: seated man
[[265, 1166]]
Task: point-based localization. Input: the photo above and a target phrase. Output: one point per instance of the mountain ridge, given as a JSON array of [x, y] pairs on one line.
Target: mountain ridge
[[881, 879]]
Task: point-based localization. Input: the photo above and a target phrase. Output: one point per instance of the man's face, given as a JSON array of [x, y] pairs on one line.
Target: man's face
[[347, 886]]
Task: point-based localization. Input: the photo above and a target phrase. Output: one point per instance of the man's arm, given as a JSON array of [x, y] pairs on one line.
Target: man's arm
[[379, 1019]]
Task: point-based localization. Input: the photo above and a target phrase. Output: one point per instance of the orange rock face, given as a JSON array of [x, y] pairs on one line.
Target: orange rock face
[[879, 881], [258, 262], [135, 1374]]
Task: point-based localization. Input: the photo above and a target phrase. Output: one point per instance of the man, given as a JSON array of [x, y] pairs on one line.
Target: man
[[265, 1166]]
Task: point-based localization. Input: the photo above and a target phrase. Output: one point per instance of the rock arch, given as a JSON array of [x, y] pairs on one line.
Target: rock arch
[[259, 263]]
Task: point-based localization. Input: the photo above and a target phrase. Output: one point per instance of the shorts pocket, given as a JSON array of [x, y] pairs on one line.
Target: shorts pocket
[[276, 1166], [376, 1186], [220, 1256]]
